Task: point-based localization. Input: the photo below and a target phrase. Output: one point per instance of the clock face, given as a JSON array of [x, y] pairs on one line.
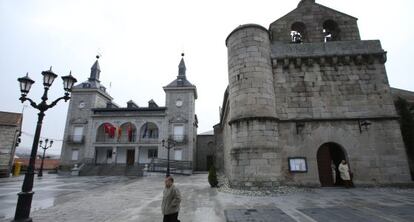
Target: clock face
[[179, 103], [82, 104]]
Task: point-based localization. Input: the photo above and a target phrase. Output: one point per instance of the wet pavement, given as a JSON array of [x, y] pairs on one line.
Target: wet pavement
[[139, 199], [49, 190]]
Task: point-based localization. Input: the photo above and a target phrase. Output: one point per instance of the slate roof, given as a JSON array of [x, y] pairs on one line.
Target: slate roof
[[10, 119], [93, 81], [175, 83], [181, 80]]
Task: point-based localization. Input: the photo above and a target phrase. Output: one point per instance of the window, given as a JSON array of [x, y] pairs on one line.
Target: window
[[149, 131], [152, 153], [298, 32], [75, 154], [331, 31], [178, 133], [178, 154], [77, 134]]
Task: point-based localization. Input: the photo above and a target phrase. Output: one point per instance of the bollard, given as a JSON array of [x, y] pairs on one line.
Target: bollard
[[17, 167]]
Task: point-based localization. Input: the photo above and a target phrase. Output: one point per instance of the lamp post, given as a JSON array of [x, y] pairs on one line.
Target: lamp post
[[45, 147], [170, 144], [24, 200]]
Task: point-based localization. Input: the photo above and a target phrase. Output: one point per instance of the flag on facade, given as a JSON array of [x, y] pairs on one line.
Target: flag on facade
[[129, 131], [109, 129]]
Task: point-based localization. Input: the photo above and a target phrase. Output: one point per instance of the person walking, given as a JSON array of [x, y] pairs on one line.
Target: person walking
[[333, 168], [345, 174], [171, 200]]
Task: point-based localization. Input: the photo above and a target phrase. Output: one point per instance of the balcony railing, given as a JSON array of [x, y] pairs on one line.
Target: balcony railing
[[149, 140], [75, 139], [179, 139]]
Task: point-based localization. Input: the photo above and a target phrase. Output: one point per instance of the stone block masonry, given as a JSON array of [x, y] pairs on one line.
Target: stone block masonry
[[322, 98]]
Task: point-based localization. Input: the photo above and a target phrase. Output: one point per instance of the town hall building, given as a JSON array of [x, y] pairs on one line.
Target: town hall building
[[99, 132], [303, 95]]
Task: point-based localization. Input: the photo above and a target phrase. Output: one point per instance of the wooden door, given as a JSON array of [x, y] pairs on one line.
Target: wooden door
[[324, 166], [130, 157]]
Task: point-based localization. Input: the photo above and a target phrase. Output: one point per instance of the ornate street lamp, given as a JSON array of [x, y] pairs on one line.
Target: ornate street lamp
[[170, 144], [45, 147], [24, 200]]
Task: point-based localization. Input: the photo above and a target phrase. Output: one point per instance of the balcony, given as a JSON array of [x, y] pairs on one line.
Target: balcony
[[149, 140], [179, 139], [75, 139]]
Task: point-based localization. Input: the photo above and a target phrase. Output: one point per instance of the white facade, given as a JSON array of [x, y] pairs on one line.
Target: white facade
[[100, 132]]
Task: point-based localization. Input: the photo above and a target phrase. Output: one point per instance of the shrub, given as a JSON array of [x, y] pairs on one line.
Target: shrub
[[212, 177]]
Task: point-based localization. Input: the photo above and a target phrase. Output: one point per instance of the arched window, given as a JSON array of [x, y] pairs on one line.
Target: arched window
[[298, 32], [127, 133], [331, 31], [149, 131], [106, 132]]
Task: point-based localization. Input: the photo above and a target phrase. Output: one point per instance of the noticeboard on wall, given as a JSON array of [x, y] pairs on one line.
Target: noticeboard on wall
[[298, 165]]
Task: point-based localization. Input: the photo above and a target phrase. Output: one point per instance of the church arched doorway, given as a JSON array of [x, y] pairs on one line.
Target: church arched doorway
[[329, 156]]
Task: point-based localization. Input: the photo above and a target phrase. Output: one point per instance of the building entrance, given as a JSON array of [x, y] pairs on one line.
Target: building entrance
[[130, 157], [329, 156]]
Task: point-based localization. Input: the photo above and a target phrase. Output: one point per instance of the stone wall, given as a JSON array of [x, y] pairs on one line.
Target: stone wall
[[182, 115], [287, 100], [254, 155], [332, 83], [313, 16], [376, 155], [205, 147], [251, 91], [8, 135]]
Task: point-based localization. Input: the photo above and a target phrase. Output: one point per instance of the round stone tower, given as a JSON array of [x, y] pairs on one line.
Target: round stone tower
[[252, 116], [251, 90]]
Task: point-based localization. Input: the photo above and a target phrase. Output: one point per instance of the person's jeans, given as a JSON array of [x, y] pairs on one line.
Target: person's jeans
[[171, 218]]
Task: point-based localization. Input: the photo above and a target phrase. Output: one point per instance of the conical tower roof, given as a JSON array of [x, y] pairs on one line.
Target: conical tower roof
[[95, 71]]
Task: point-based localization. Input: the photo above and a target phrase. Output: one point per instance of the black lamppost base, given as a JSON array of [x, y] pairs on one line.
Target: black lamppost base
[[24, 203], [24, 220]]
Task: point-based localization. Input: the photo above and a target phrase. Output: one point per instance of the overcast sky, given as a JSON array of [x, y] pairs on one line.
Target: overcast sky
[[141, 42]]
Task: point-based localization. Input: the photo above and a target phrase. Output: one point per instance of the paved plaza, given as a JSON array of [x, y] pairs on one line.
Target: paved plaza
[[60, 198]]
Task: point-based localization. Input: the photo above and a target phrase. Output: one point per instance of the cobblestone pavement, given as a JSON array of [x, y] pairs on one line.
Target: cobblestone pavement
[[122, 199]]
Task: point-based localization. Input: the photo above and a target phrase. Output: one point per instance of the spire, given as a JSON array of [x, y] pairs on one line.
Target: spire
[[181, 68], [306, 2], [95, 70]]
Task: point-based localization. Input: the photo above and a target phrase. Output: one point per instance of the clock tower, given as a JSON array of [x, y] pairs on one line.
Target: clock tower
[[181, 117], [78, 130]]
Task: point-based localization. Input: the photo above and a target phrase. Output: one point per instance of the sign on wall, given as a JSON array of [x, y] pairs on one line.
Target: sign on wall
[[298, 164]]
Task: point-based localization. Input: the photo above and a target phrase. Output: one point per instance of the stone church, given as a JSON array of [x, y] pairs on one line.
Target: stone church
[[99, 132], [304, 95]]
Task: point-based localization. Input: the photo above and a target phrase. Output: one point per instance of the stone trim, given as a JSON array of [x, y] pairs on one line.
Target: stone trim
[[268, 118], [259, 118], [331, 60], [341, 119], [247, 26]]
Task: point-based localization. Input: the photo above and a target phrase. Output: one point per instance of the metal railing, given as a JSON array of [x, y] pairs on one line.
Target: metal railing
[[149, 140], [179, 139], [75, 139], [176, 166]]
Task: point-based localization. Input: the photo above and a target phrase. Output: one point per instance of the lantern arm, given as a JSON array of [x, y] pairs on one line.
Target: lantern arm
[[66, 97], [32, 103]]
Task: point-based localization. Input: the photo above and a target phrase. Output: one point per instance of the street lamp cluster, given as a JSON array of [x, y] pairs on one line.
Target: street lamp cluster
[[45, 147], [24, 201]]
